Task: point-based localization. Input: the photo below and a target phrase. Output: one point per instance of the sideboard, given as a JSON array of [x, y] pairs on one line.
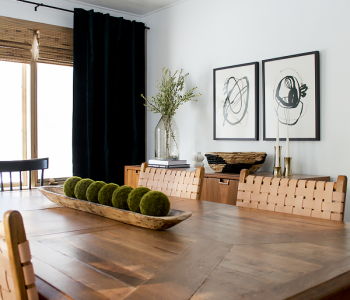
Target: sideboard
[[217, 187]]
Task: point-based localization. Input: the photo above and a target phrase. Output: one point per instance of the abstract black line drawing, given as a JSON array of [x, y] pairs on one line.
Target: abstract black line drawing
[[288, 94], [291, 96], [237, 98], [236, 102]]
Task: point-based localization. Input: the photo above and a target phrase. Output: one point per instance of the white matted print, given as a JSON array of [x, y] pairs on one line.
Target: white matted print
[[236, 102], [291, 96]]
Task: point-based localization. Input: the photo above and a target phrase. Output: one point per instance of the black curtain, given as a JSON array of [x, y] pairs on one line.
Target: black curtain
[[108, 111]]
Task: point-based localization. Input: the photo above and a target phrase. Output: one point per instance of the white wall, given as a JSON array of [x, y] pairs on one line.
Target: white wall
[[200, 35], [20, 10]]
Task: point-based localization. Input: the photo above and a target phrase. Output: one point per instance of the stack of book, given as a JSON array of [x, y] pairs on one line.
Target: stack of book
[[155, 163]]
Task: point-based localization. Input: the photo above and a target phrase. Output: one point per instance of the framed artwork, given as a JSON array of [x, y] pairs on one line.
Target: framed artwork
[[236, 102], [291, 97]]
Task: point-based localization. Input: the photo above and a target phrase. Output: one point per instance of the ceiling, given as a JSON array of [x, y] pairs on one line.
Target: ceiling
[[137, 7]]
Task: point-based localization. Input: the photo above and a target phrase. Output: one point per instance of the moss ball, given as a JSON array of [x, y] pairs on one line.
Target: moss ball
[[69, 185], [105, 194], [120, 197], [93, 190], [81, 188], [155, 203], [135, 196]]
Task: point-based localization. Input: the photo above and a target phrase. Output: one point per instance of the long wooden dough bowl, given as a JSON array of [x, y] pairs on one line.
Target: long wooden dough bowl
[[56, 195]]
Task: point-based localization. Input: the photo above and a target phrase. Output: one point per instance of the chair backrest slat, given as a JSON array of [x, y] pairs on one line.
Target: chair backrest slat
[[316, 199], [10, 181], [171, 182]]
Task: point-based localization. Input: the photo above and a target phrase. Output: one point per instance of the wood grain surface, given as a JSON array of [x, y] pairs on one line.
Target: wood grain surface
[[221, 252]]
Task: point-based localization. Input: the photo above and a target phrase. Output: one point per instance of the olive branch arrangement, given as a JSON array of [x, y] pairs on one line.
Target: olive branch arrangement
[[168, 98]]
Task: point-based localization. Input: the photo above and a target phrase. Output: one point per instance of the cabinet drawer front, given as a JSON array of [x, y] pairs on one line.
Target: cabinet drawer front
[[132, 178], [220, 190]]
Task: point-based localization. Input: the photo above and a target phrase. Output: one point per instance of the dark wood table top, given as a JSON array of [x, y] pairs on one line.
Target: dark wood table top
[[221, 252]]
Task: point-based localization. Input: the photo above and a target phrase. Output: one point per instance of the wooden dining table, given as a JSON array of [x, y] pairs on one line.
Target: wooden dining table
[[220, 252]]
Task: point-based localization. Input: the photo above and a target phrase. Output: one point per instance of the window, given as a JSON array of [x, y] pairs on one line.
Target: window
[[11, 108], [36, 92], [55, 103]]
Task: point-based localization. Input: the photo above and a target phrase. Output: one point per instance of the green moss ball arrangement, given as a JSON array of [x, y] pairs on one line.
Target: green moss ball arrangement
[[135, 196], [69, 185], [105, 194], [155, 203], [93, 190], [81, 188], [120, 197]]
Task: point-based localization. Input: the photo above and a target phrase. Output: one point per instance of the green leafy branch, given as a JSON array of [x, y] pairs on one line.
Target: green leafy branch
[[168, 98]]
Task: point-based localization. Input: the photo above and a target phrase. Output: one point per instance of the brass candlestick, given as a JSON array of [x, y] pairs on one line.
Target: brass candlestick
[[279, 157], [287, 167], [277, 173]]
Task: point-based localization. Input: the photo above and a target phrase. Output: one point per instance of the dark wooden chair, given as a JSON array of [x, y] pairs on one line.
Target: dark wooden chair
[[21, 166]]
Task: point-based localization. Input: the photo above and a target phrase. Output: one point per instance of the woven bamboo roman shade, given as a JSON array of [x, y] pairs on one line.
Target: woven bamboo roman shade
[[16, 38]]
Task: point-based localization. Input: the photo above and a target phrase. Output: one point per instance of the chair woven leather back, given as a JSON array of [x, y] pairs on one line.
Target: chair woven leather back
[[318, 199], [184, 184], [17, 279]]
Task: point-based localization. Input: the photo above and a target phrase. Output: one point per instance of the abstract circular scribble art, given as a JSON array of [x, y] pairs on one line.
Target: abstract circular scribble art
[[236, 102], [288, 93]]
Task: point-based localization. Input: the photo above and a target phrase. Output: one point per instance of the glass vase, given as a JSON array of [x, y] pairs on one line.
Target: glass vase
[[166, 139]]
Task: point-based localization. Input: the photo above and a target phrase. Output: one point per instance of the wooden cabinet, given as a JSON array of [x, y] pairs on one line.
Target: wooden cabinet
[[217, 187], [220, 187], [132, 175], [220, 190]]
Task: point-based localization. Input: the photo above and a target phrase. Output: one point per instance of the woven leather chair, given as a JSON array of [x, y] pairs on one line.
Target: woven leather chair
[[17, 279], [318, 199], [184, 184]]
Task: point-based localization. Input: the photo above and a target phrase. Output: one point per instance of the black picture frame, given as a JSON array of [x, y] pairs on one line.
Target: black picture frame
[[236, 102], [291, 93]]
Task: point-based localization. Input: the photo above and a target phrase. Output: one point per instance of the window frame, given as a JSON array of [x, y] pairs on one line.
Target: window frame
[[57, 47]]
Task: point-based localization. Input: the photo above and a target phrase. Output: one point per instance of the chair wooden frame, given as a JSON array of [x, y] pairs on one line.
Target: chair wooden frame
[[178, 183], [21, 166], [16, 274], [318, 199]]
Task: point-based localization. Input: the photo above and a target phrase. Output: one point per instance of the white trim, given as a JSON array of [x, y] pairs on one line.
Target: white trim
[[160, 9], [103, 8], [124, 12]]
